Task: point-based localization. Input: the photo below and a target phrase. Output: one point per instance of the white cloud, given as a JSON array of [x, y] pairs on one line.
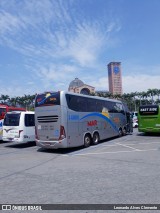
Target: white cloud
[[10, 23], [85, 46], [99, 84], [137, 83], [14, 91], [135, 68], [55, 72], [55, 76], [52, 31], [140, 83]]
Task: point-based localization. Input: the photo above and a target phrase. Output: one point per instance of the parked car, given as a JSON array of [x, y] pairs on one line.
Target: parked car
[[135, 124], [135, 119]]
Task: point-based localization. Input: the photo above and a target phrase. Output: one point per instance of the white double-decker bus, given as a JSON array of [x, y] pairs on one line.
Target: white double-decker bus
[[64, 119]]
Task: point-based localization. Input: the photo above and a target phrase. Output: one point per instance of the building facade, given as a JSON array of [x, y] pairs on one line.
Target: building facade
[[77, 86], [115, 78]]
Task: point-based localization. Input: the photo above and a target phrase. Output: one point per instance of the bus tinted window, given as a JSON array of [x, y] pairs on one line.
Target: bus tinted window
[[100, 105], [76, 103], [114, 107], [12, 119], [72, 102], [29, 120], [82, 104], [47, 99], [85, 104], [149, 110], [91, 105]]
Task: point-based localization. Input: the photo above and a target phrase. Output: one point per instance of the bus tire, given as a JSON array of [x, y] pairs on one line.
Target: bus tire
[[124, 131], [96, 138], [87, 140], [120, 132]]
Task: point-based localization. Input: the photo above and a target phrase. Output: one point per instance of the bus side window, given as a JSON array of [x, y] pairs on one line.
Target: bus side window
[[71, 102], [107, 106], [82, 104], [99, 105], [91, 105]]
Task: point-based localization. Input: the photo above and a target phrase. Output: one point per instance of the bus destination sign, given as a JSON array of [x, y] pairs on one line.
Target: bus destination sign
[[148, 110]]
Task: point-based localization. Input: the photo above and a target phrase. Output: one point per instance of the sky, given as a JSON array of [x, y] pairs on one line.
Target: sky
[[45, 44]]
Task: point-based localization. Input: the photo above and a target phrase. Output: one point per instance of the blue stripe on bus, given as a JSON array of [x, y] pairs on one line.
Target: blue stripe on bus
[[102, 116]]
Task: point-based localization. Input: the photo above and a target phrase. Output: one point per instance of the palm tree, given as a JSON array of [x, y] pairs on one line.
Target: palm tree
[[117, 96], [143, 96], [14, 101], [31, 100], [135, 100], [4, 98], [158, 93], [152, 93], [126, 97]]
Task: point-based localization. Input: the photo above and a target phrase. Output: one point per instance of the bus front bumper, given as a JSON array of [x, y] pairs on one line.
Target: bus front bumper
[[17, 140], [149, 130]]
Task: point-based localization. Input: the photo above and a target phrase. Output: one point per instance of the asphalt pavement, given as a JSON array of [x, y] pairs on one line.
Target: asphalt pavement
[[123, 170]]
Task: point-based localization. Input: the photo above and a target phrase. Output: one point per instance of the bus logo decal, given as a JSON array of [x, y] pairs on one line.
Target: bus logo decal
[[73, 117], [104, 117], [92, 123], [7, 130]]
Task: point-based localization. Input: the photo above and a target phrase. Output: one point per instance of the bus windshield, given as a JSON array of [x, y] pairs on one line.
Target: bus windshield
[[47, 99], [12, 119]]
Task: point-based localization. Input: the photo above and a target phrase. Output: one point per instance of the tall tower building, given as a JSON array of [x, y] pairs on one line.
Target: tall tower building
[[115, 78]]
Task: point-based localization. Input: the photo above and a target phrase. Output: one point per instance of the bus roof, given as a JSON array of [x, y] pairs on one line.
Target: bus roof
[[12, 107], [81, 95], [24, 112]]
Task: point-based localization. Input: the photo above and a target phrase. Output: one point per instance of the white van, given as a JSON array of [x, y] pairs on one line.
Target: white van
[[135, 119], [19, 126], [135, 116]]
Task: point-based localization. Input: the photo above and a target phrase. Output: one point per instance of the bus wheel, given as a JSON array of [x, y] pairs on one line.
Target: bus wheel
[[124, 131], [95, 138], [87, 140], [120, 132]]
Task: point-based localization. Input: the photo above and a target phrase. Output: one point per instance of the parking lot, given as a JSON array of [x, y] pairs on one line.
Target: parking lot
[[122, 170]]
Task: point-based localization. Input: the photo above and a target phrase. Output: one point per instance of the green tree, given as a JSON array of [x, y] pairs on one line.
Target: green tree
[[4, 98]]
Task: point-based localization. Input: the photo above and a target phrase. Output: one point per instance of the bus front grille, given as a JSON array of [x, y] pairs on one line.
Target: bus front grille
[[47, 119]]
